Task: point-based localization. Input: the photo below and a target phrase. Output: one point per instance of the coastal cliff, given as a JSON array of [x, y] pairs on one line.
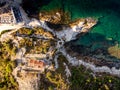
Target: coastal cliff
[[51, 51]]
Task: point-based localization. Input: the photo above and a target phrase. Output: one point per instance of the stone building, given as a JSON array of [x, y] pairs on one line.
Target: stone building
[[6, 16], [9, 13]]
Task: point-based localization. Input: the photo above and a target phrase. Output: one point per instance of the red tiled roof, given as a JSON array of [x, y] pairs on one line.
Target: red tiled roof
[[37, 63], [31, 61]]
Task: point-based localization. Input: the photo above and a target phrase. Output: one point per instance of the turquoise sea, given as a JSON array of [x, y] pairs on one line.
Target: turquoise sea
[[106, 11]]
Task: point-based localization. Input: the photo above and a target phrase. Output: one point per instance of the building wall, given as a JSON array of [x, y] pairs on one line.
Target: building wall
[[6, 18]]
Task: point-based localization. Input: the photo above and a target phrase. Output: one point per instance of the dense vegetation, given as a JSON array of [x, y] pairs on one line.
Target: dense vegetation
[[41, 46], [55, 79], [7, 81], [34, 33], [35, 40], [84, 79]]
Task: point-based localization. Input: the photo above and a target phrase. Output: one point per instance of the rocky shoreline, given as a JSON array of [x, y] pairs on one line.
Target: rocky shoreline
[[96, 57], [40, 47]]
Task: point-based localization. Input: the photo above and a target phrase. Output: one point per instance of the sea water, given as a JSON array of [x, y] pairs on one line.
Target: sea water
[[107, 12]]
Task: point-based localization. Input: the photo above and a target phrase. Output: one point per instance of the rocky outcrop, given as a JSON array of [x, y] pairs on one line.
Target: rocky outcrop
[[82, 25], [55, 17]]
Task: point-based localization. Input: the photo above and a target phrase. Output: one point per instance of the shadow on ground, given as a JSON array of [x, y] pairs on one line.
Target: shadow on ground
[[33, 6]]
